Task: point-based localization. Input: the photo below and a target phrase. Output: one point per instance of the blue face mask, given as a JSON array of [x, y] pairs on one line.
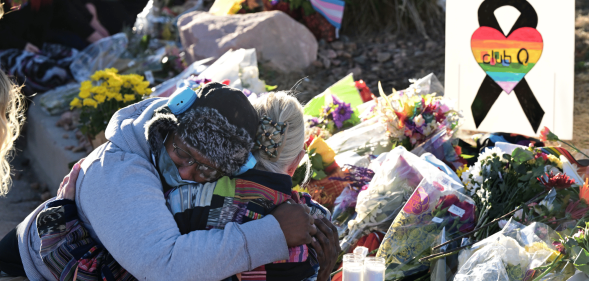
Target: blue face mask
[[169, 171]]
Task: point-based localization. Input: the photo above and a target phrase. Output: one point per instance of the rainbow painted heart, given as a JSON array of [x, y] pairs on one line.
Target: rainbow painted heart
[[506, 59]]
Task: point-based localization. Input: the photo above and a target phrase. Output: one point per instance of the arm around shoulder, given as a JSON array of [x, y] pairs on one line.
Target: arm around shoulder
[[121, 196]]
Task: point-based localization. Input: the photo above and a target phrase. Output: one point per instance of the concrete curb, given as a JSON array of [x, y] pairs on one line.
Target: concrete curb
[[46, 146]]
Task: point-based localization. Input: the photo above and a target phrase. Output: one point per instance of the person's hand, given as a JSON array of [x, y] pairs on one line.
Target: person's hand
[[296, 223], [326, 244], [67, 188], [31, 48], [95, 23]]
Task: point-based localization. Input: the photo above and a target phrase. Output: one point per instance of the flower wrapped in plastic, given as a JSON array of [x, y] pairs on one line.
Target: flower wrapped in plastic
[[434, 205], [511, 254], [393, 183]]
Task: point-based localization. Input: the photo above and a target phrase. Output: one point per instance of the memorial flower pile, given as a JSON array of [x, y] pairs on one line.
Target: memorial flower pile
[[104, 94]]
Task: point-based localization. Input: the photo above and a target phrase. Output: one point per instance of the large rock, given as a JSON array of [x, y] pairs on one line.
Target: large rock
[[280, 41]]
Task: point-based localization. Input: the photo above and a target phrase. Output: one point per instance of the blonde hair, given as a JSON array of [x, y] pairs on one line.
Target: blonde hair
[[11, 119], [281, 107]]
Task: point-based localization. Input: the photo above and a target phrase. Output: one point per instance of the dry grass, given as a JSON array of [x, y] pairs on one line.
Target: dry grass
[[401, 16]]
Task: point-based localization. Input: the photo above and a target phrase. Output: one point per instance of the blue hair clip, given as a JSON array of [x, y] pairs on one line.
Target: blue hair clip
[[181, 100], [249, 164]]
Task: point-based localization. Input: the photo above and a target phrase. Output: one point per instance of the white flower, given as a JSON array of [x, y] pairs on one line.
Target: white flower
[[515, 253], [490, 153], [419, 120]]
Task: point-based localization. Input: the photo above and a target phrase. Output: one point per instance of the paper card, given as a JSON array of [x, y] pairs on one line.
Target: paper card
[[437, 220], [149, 77], [456, 210], [510, 64]]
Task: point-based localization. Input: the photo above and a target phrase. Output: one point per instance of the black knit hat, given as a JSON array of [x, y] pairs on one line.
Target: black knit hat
[[221, 124]]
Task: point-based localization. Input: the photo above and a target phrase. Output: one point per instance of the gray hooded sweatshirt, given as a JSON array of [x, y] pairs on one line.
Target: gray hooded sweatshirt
[[120, 200]]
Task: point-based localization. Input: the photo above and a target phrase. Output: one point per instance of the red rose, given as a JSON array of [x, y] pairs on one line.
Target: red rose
[[446, 201], [468, 208], [467, 227]]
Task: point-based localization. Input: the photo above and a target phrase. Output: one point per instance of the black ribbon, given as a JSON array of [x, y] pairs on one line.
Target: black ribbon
[[489, 90]]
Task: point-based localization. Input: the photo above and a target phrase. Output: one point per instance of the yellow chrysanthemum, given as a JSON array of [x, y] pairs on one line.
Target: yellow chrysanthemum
[[100, 98], [129, 97], [115, 82], [148, 91], [555, 160], [84, 94], [461, 170], [112, 70], [298, 188], [98, 90], [75, 103], [90, 102], [97, 75], [119, 97], [111, 95], [86, 86]]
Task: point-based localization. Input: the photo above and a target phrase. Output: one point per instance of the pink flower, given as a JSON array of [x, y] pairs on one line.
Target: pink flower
[[541, 155], [547, 135], [559, 246]]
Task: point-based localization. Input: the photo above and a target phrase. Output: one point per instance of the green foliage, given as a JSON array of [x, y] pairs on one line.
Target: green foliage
[[317, 169]]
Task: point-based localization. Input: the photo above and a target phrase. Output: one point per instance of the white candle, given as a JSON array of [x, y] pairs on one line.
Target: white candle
[[373, 272], [352, 273], [352, 268]]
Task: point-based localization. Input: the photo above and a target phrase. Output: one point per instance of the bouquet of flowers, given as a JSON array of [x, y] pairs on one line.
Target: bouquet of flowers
[[433, 206], [411, 117], [345, 203], [334, 117], [509, 255], [499, 182], [395, 181], [320, 163], [562, 208], [104, 94], [573, 249]]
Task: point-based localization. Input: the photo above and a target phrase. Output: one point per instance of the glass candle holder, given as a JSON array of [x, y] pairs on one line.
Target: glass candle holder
[[352, 268], [374, 269]]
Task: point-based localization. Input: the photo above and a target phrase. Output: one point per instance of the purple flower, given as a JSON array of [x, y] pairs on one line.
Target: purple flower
[[313, 122], [341, 113], [247, 92], [357, 176]]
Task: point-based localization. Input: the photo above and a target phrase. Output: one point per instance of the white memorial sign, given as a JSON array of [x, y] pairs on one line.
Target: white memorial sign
[[510, 64]]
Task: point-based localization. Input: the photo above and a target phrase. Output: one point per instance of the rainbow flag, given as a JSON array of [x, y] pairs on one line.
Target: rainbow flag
[[332, 10], [507, 59], [558, 151]]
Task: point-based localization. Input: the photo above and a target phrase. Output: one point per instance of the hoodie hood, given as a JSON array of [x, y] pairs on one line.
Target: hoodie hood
[[127, 128]]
